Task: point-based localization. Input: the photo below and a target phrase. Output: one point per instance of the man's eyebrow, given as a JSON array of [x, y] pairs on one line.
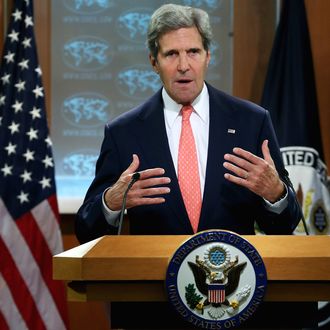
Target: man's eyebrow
[[173, 51], [170, 51], [194, 49]]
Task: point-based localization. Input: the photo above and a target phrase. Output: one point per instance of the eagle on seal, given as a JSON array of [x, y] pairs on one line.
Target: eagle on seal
[[204, 277]]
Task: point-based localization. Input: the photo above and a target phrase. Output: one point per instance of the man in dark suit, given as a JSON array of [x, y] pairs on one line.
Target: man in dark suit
[[241, 175], [238, 177]]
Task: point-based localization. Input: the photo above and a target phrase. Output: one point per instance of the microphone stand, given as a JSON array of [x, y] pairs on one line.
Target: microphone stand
[[135, 177]]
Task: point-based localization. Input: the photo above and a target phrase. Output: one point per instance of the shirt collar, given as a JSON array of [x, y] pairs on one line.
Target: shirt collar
[[172, 109]]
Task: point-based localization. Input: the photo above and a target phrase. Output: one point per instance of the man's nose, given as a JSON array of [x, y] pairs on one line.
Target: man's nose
[[183, 64]]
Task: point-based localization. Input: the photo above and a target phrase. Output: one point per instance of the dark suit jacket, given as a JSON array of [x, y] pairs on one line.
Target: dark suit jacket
[[225, 205]]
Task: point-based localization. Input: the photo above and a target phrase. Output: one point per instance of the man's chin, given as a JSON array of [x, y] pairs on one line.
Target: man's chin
[[185, 98]]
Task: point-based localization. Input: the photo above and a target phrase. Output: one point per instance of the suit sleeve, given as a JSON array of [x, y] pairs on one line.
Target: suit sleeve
[[90, 222], [285, 222]]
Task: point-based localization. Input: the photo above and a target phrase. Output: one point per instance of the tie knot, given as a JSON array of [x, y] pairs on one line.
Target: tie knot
[[186, 112]]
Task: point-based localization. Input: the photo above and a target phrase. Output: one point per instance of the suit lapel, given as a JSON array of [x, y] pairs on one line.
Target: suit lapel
[[222, 139], [156, 153]]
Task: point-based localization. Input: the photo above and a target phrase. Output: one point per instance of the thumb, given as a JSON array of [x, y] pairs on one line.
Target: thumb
[[133, 166], [266, 153]]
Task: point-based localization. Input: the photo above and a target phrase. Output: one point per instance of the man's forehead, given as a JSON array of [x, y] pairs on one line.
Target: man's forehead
[[181, 39]]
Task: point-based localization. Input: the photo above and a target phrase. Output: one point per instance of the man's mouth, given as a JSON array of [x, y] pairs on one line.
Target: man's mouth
[[184, 81]]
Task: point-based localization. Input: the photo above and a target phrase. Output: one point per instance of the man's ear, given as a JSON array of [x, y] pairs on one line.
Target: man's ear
[[208, 57], [154, 63]]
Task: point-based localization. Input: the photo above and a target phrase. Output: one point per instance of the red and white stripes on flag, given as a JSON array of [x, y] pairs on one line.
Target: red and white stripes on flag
[[216, 293], [29, 218], [29, 298]]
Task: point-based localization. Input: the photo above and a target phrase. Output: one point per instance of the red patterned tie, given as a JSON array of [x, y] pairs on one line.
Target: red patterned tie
[[188, 174]]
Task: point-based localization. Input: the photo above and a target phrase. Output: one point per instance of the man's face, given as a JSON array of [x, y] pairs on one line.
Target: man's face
[[181, 63]]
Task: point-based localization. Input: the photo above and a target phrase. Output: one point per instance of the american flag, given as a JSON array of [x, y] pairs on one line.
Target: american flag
[[29, 219], [216, 293]]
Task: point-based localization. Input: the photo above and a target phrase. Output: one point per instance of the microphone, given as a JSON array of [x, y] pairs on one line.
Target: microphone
[[287, 180], [135, 177]]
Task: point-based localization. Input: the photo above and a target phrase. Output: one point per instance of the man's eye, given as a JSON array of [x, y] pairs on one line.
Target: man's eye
[[194, 51], [170, 54]]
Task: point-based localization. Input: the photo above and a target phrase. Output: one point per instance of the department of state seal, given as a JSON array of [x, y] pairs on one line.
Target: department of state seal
[[216, 280]]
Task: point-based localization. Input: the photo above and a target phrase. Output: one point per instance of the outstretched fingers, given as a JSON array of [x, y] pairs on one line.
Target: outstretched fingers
[[257, 174]]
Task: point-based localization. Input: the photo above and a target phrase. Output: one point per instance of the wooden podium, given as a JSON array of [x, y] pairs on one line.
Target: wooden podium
[[133, 268]]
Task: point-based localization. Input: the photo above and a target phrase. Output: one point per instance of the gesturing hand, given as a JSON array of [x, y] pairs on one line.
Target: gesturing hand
[[254, 173], [143, 192]]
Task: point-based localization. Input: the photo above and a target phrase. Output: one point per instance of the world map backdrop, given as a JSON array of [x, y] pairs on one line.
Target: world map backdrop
[[100, 69]]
